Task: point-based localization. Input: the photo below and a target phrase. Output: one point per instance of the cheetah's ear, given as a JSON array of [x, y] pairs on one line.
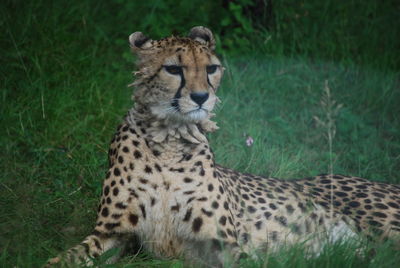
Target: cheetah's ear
[[202, 35], [139, 41]]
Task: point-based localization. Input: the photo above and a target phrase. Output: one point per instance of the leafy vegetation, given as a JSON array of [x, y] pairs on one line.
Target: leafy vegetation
[[66, 64]]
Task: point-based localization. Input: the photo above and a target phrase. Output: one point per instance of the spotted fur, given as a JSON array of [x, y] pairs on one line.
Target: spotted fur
[[164, 189]]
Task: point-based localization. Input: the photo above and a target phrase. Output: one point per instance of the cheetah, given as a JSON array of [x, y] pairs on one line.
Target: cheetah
[[164, 189]]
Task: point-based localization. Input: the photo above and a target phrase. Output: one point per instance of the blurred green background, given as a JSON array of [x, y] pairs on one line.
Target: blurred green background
[[366, 32], [297, 72]]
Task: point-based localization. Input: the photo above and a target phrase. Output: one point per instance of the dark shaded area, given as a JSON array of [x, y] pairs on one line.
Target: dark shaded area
[[362, 31]]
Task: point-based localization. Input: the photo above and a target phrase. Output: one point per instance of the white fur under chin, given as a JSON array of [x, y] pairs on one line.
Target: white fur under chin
[[197, 115], [192, 117]]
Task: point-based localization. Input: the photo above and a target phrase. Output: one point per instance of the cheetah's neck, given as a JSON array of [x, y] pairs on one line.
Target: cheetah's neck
[[164, 130], [171, 140]]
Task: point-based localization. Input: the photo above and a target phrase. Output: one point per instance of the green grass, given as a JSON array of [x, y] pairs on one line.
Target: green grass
[[275, 101], [63, 91]]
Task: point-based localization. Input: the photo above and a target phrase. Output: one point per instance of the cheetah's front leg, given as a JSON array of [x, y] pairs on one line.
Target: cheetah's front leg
[[91, 247]]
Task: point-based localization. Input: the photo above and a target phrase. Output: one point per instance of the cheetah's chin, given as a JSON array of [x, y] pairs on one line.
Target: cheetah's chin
[[196, 115]]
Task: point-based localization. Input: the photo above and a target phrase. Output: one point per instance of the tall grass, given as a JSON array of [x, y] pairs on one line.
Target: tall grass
[[65, 67], [361, 31]]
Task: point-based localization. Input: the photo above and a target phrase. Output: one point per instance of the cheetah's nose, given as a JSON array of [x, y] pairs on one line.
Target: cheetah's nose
[[199, 97]]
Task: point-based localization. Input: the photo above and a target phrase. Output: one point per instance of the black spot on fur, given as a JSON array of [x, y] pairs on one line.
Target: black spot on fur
[[381, 206], [202, 172], [110, 226], [354, 204], [133, 219], [215, 205], [131, 130], [267, 215], [187, 180], [190, 200], [261, 200], [116, 216], [135, 143], [379, 214], [375, 223], [120, 205], [395, 223], [378, 194], [196, 225], [347, 188], [221, 190], [361, 212], [222, 220], [104, 212], [325, 181], [272, 206], [148, 169], [137, 154], [133, 192], [226, 205], [117, 172], [281, 219], [106, 190], [115, 191], [188, 215], [158, 168], [210, 187], [289, 209], [142, 208], [341, 194], [251, 209], [361, 195], [206, 212]]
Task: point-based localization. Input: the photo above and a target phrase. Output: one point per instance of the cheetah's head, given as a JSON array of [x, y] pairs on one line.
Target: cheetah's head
[[178, 76]]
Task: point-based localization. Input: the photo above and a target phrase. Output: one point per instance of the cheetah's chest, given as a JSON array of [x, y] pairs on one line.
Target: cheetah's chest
[[164, 198]]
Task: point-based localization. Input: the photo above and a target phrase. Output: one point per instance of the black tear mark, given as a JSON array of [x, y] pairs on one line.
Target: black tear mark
[[178, 95]]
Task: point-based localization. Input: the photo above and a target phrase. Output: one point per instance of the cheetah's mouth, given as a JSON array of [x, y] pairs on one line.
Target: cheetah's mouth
[[182, 115]]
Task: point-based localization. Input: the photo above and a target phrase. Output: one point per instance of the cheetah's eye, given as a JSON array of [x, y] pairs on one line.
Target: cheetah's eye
[[211, 69], [173, 69]]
